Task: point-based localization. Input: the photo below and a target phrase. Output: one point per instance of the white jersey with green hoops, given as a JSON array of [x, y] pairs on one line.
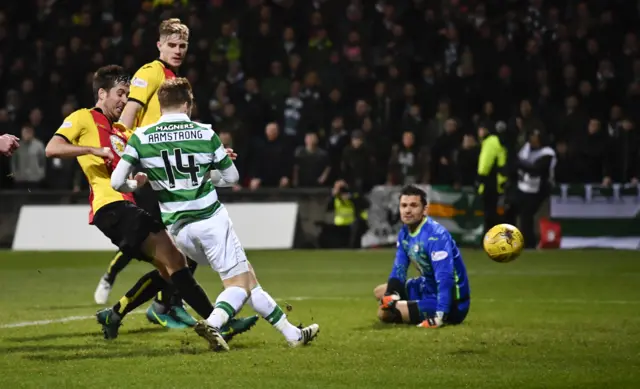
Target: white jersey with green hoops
[[177, 155]]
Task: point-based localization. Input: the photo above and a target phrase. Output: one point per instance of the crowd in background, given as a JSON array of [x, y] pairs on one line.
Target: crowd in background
[[369, 92]]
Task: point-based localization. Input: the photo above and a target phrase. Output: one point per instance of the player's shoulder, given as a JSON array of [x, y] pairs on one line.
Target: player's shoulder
[[404, 231], [141, 131], [79, 116], [142, 76], [154, 65], [436, 230], [203, 125]]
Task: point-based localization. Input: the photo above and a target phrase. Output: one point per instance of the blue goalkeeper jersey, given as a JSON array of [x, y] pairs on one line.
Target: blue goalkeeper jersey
[[434, 252]]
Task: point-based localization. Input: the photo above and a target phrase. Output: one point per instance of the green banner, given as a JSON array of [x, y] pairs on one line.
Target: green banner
[[460, 211]]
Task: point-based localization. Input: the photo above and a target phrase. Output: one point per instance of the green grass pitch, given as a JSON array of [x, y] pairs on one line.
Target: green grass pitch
[[558, 319]]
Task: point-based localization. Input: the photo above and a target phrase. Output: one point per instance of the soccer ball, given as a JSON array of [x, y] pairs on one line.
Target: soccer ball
[[503, 243]]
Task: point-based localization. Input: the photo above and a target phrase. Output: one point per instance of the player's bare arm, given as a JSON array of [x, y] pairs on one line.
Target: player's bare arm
[[129, 113], [59, 147]]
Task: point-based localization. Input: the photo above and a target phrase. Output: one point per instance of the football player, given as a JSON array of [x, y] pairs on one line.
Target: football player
[[440, 295]]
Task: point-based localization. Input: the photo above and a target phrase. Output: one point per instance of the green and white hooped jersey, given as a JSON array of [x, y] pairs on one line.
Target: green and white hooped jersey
[[177, 155]]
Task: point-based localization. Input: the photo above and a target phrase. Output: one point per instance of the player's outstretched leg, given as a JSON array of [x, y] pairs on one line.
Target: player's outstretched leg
[[146, 287], [267, 307], [118, 263]]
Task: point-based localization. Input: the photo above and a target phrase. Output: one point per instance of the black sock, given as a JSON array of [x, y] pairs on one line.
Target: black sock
[[119, 262], [146, 287], [192, 292], [170, 297], [193, 265]]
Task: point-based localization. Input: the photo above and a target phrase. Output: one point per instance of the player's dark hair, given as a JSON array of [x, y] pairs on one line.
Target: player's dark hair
[[108, 77], [412, 190], [175, 92]]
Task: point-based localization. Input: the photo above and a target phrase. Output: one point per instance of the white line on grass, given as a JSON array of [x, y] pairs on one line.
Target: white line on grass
[[330, 298], [53, 321]]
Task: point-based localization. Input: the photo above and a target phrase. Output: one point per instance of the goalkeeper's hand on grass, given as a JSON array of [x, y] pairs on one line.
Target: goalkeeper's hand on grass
[[389, 301]]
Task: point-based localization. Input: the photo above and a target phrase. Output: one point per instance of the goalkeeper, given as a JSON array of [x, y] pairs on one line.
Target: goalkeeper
[[441, 294]]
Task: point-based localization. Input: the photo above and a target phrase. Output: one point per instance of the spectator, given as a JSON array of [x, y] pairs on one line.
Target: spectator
[[253, 107], [28, 164], [271, 163], [623, 155], [337, 141], [311, 167], [226, 138], [357, 160], [275, 88], [407, 162], [466, 161], [385, 67], [565, 166], [592, 154], [442, 152], [227, 47]]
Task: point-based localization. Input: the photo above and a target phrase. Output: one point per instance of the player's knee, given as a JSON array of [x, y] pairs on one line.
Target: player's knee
[[386, 315], [379, 290], [166, 252], [162, 269], [242, 280]]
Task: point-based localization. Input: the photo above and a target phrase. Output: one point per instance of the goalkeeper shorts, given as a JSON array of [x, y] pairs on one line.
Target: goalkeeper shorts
[[427, 302]]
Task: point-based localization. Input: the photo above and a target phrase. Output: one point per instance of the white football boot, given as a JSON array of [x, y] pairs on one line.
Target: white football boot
[[211, 335], [102, 292], [307, 334]]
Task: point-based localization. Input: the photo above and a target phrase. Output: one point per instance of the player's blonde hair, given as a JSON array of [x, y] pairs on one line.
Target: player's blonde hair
[[175, 92], [173, 26]]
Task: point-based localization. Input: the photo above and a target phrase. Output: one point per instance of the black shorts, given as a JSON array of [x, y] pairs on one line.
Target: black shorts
[[128, 226], [146, 199]]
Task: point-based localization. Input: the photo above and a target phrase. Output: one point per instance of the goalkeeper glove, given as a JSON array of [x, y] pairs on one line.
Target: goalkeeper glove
[[434, 321], [389, 301]]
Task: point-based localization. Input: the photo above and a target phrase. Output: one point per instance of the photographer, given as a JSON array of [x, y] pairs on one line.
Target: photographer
[[350, 217]]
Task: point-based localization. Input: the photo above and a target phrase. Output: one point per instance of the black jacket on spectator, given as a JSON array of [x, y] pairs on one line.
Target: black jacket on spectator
[[270, 162]]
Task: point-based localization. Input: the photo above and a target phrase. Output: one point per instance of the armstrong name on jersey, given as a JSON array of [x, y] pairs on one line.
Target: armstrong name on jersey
[[161, 137]]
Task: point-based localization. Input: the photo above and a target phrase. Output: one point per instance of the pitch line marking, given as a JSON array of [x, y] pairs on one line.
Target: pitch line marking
[[308, 298]]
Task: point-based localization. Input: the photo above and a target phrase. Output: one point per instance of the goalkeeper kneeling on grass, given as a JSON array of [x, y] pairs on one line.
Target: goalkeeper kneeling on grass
[[441, 294]]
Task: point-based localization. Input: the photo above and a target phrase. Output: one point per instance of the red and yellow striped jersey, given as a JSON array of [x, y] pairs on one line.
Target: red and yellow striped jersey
[[91, 128]]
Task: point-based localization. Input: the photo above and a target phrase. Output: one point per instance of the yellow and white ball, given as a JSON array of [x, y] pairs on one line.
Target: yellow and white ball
[[503, 243]]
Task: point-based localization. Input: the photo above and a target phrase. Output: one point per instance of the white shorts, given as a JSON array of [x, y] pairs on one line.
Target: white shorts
[[213, 242]]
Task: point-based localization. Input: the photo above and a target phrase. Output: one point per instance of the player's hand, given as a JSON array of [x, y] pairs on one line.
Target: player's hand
[[436, 321], [8, 144], [141, 179], [389, 301], [231, 154], [104, 152]]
